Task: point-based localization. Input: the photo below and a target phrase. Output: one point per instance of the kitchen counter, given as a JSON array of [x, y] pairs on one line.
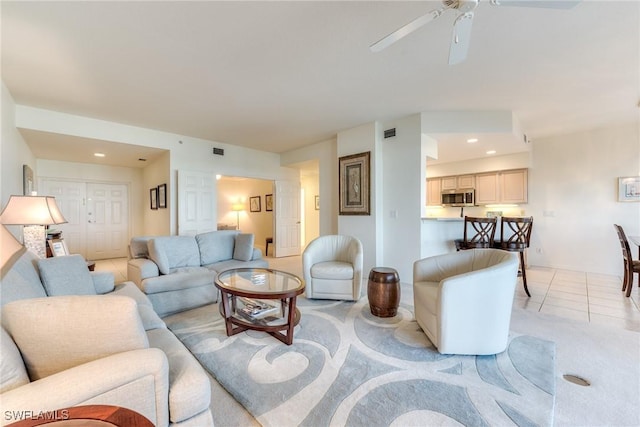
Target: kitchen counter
[[442, 218], [438, 234]]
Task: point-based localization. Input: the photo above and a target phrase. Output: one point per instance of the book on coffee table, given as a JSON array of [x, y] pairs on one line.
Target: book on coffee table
[[256, 309]]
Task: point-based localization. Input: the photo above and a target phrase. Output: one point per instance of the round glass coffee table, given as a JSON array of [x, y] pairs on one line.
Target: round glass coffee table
[[260, 299]]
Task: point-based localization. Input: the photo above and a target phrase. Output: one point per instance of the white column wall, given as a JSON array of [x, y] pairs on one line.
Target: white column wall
[[353, 141], [403, 173]]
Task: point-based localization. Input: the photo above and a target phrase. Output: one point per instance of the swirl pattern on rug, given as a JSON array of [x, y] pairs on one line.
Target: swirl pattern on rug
[[348, 367]]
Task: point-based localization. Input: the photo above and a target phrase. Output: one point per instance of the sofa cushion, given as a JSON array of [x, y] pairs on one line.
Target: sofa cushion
[[334, 270], [21, 281], [216, 246], [243, 248], [57, 333], [12, 371], [66, 275], [170, 252]]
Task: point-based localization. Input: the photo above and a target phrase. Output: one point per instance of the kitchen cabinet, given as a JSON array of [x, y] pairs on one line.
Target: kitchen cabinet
[[456, 182], [513, 186], [502, 187], [433, 192]]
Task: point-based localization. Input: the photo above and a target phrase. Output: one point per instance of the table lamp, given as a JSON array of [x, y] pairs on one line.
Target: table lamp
[[34, 212], [237, 208]]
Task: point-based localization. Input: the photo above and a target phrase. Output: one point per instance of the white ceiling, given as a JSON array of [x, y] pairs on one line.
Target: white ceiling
[[279, 75]]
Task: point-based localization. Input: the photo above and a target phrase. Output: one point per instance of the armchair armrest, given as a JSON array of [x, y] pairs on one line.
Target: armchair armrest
[[438, 268], [137, 379], [141, 268]]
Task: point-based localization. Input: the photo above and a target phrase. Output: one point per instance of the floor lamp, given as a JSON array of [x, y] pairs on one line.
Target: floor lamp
[[34, 212], [237, 208]]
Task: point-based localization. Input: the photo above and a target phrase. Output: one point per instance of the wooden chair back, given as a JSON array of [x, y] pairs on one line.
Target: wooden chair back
[[515, 233], [478, 232]]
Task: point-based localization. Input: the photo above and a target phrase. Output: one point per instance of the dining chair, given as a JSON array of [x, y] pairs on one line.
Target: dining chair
[[479, 233], [515, 236], [631, 266]]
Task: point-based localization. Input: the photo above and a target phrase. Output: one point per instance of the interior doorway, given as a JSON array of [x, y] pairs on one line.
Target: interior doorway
[[247, 204]]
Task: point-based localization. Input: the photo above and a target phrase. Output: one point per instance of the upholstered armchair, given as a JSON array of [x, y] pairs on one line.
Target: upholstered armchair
[[463, 300], [332, 268]]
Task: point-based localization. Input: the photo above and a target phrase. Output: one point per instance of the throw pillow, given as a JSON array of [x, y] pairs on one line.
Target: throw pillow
[[243, 249], [170, 252], [56, 333], [216, 246], [66, 275]]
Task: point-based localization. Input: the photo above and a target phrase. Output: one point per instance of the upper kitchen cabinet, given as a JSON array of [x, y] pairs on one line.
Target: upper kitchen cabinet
[[433, 192], [455, 182], [502, 187]]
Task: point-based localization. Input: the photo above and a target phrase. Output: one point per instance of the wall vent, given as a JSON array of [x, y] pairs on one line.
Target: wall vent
[[218, 151], [390, 133]]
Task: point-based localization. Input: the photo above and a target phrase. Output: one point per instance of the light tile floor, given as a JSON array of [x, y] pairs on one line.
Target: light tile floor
[[590, 297]]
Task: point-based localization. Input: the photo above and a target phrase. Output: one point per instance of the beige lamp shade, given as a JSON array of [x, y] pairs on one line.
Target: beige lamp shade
[[237, 207], [10, 248], [31, 210]]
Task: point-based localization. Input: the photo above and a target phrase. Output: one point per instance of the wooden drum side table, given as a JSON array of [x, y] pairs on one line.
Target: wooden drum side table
[[383, 291]]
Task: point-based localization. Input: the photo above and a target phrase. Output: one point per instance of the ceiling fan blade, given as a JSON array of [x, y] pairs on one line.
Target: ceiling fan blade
[[548, 4], [406, 30], [461, 38]]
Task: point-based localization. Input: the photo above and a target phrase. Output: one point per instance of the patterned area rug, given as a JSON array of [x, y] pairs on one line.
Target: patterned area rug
[[347, 367]]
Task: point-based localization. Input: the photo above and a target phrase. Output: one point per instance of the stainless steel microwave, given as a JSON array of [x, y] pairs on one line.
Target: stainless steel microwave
[[462, 197]]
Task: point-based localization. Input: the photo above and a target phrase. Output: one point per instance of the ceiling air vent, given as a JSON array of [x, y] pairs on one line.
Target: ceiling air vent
[[390, 133], [218, 151]]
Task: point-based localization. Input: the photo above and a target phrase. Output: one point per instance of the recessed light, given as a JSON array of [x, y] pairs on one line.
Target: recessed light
[[491, 152], [99, 154], [472, 140]]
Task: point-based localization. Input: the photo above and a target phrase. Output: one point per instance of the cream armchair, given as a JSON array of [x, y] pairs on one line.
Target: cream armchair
[[463, 300], [332, 268]]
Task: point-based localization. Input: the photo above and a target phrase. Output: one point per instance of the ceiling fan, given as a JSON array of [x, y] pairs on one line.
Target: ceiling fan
[[462, 24]]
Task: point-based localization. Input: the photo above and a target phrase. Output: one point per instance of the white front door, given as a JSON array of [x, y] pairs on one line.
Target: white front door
[[107, 223], [196, 203], [71, 199], [287, 218]]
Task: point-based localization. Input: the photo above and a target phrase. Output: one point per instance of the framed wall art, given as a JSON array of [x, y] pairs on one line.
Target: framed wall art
[[254, 204], [354, 184], [268, 202], [629, 189], [162, 196], [27, 180], [153, 198]]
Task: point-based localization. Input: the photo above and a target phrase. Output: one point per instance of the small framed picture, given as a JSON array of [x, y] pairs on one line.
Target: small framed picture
[[162, 196], [153, 198], [268, 202], [58, 247], [317, 205], [354, 183], [629, 189], [254, 204]]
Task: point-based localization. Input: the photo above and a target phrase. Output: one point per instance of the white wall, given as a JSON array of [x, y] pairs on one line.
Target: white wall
[[574, 179], [310, 185], [14, 152], [402, 166], [353, 141], [157, 221], [326, 154], [186, 153]]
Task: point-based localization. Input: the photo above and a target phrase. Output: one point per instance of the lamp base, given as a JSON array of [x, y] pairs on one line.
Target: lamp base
[[35, 239]]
